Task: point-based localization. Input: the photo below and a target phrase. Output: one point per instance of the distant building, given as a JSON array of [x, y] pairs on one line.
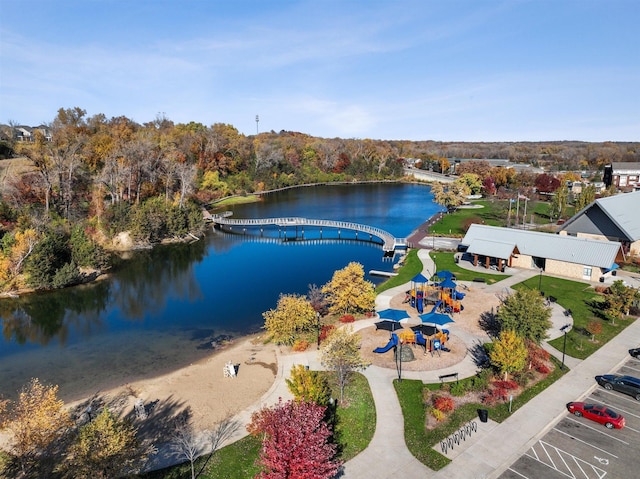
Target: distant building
[[622, 175]]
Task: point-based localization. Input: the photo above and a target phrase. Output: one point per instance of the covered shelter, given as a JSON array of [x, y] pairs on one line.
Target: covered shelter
[[568, 256]]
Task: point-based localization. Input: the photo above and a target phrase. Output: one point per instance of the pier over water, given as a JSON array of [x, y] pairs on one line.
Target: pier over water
[[389, 242]]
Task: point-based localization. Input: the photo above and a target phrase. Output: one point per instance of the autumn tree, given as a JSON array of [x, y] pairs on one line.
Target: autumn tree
[[525, 313], [104, 448], [546, 183], [295, 441], [348, 292], [37, 421], [341, 354], [594, 328], [308, 385], [472, 182], [451, 195], [293, 315], [509, 353], [586, 197], [559, 202]]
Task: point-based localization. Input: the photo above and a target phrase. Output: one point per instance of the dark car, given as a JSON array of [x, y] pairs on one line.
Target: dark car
[[597, 413], [635, 352], [625, 384]]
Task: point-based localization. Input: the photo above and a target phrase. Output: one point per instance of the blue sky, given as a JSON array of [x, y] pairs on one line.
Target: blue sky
[[476, 70]]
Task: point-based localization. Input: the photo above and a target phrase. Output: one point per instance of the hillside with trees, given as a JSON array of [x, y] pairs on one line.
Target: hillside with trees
[[77, 189]]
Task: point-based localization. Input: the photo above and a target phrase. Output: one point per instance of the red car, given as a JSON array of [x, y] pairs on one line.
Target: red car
[[597, 413]]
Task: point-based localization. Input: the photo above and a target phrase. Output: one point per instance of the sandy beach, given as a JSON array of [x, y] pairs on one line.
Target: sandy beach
[[210, 397]]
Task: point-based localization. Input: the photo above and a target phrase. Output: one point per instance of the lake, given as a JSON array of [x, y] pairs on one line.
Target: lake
[[163, 308]]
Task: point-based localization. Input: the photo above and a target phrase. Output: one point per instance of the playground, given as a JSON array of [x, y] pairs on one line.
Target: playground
[[465, 303]]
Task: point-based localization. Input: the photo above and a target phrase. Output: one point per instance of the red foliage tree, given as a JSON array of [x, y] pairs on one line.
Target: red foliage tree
[[295, 441], [547, 183]]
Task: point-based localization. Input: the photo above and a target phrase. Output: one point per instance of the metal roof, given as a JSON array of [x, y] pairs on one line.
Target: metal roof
[[613, 216], [495, 249], [570, 249]]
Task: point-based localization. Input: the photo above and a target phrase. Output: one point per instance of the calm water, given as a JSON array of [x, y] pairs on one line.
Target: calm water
[[163, 309]]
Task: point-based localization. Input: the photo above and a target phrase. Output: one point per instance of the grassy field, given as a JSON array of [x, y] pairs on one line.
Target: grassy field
[[583, 301], [445, 262]]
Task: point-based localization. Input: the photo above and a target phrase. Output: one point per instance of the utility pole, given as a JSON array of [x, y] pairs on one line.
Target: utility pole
[[257, 121]]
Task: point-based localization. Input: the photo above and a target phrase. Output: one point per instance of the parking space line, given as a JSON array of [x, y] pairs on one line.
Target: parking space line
[[616, 394], [585, 442], [516, 472], [561, 453], [630, 367], [627, 413], [598, 431], [631, 429]]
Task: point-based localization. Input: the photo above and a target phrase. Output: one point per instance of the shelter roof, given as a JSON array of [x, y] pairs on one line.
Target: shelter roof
[[570, 249], [495, 249]]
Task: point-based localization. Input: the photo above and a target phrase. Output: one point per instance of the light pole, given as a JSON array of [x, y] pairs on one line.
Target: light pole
[[564, 329], [540, 282], [318, 327], [257, 121]]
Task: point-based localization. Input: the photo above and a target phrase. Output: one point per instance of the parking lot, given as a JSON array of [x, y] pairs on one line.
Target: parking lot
[[579, 448]]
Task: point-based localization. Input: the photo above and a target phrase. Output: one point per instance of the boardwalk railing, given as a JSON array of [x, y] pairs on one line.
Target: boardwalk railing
[[390, 243]]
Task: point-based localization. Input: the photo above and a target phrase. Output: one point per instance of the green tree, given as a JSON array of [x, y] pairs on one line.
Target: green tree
[[50, 254], [619, 299], [509, 353], [105, 447], [341, 354], [348, 292], [525, 313], [307, 385], [293, 315], [37, 422]]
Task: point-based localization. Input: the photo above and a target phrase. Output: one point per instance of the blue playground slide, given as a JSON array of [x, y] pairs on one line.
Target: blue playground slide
[[420, 304], [436, 306], [457, 295], [420, 339], [392, 342]]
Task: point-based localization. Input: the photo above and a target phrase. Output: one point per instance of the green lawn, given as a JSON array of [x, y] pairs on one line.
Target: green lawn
[[454, 224], [445, 262], [582, 300], [411, 267]]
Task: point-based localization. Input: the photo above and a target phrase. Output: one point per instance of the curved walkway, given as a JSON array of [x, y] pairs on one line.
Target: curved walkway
[[494, 447]]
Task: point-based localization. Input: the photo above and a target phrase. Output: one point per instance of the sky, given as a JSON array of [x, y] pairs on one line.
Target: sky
[[443, 70]]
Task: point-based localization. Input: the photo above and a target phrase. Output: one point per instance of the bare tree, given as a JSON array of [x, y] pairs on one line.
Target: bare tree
[[191, 444]]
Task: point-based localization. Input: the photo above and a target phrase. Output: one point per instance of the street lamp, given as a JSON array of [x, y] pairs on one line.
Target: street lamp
[[397, 351], [540, 282], [318, 327], [564, 329]]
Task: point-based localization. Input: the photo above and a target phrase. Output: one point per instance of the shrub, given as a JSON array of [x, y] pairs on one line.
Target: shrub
[[543, 368], [300, 345], [480, 381], [326, 330], [443, 403], [459, 388], [437, 414], [347, 318], [506, 384]]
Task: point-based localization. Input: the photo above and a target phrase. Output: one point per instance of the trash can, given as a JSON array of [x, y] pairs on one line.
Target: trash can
[[483, 414]]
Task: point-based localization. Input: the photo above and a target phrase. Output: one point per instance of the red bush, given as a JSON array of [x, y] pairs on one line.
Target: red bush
[[506, 385], [347, 318], [543, 368], [326, 331], [444, 403]]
